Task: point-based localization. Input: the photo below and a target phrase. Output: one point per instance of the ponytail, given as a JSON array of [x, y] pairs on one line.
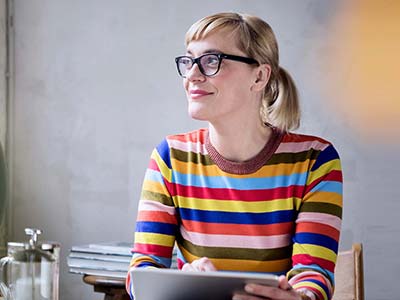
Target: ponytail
[[280, 105]]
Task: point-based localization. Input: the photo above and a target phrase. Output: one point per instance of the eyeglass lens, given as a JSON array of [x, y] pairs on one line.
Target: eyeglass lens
[[208, 64]]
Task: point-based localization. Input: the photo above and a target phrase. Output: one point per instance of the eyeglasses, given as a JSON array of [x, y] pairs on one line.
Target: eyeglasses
[[209, 64]]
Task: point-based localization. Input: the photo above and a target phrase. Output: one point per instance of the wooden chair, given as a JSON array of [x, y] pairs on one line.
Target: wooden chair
[[349, 274], [113, 288]]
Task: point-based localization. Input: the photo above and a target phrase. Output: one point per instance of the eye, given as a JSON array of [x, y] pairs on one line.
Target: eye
[[185, 61], [210, 60]]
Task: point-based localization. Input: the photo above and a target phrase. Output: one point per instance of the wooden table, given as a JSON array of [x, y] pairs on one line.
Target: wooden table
[[113, 288]]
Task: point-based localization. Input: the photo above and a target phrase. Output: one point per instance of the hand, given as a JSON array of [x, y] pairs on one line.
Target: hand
[[199, 265], [261, 292]]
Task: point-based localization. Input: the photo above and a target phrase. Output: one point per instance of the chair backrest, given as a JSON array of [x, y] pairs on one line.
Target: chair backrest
[[349, 274]]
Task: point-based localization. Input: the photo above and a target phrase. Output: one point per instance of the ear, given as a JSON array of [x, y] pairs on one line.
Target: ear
[[263, 73]]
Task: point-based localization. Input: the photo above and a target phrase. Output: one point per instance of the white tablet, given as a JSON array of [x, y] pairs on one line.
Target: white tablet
[[171, 284]]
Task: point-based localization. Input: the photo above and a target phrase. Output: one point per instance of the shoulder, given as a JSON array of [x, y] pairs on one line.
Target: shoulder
[[312, 147], [184, 142], [302, 142], [195, 136]]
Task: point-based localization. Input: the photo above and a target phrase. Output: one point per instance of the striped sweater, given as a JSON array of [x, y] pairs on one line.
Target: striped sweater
[[279, 212]]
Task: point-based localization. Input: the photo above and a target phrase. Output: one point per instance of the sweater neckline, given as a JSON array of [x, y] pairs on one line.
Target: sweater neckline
[[248, 166]]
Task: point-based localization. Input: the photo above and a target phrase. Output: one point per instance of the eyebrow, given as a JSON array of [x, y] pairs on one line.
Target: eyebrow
[[206, 52]]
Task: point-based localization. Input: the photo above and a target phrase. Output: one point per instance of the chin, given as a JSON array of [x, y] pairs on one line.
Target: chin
[[197, 115]]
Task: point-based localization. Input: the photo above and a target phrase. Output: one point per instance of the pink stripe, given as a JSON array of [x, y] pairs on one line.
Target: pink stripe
[[147, 205], [188, 146], [236, 241], [322, 218], [305, 274], [298, 147]]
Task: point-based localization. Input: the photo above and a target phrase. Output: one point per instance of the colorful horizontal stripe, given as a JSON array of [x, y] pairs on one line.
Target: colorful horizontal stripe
[[283, 217]]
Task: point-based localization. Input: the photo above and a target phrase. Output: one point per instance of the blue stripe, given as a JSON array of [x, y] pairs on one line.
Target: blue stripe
[[239, 183], [323, 286], [236, 218], [329, 186], [163, 151], [316, 239], [153, 175], [180, 256], [324, 156], [162, 260], [145, 264], [131, 290], [156, 227], [157, 259]]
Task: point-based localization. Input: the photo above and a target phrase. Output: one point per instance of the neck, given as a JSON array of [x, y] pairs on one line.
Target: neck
[[241, 142]]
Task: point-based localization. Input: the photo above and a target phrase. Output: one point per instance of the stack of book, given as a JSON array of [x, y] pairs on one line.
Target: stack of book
[[110, 259]]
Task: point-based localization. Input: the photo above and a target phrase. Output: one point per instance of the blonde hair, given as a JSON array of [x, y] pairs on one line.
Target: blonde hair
[[280, 104]]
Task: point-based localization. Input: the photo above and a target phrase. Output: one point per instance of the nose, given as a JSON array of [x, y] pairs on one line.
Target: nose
[[194, 74]]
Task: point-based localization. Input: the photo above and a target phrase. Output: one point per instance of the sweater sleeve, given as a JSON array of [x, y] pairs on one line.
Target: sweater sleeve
[[156, 223], [315, 243]]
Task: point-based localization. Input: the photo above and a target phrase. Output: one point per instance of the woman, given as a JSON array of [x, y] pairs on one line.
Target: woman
[[244, 194]]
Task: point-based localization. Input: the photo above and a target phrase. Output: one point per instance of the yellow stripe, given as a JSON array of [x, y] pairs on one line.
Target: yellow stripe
[[244, 265], [154, 239], [297, 203], [325, 197], [265, 171], [324, 169], [142, 259], [316, 251], [236, 206], [165, 171], [155, 186], [306, 284]]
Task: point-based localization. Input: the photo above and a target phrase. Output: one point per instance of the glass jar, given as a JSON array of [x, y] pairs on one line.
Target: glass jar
[[31, 270]]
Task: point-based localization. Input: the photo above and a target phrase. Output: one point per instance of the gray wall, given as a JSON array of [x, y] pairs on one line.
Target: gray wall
[[3, 54], [96, 89], [3, 121]]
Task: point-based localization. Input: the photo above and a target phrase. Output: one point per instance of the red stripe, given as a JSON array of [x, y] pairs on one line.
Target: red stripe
[[319, 229], [179, 263], [156, 216], [295, 138], [307, 259], [233, 194], [148, 249], [238, 229], [128, 283], [316, 277], [333, 175], [320, 279], [317, 292], [194, 136]]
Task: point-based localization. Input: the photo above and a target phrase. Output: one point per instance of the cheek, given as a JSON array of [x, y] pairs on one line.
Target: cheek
[[231, 87]]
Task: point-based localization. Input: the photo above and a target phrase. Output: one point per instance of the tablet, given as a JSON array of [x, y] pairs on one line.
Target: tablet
[[172, 284]]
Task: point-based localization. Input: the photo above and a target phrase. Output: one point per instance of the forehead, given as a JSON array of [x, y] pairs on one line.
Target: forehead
[[219, 41]]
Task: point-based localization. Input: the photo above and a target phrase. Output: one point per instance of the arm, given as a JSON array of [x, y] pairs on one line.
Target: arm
[[316, 236], [318, 228], [156, 223]]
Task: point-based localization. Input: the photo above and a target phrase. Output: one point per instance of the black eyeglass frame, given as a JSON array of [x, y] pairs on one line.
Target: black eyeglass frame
[[221, 56]]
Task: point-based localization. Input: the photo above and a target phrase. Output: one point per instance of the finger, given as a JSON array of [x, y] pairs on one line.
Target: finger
[[187, 267], [244, 296], [275, 293], [284, 284], [204, 264], [200, 265]]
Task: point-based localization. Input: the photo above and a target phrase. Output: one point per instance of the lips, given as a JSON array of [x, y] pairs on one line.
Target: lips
[[196, 93]]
